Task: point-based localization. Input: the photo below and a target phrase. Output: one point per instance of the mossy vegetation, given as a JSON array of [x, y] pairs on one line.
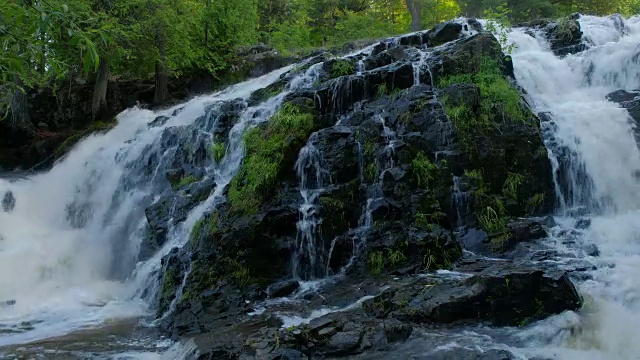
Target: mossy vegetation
[[218, 150], [266, 147], [424, 170], [342, 67], [499, 101], [170, 280], [207, 226], [186, 180]]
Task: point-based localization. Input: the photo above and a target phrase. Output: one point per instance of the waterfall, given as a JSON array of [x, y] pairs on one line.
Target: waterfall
[[71, 225], [595, 157], [310, 256]]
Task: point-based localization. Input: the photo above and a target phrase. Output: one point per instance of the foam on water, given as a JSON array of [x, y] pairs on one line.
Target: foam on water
[[600, 176], [59, 275]]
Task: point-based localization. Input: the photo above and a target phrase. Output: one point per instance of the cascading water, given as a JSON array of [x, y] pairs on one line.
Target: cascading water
[[593, 149], [310, 256], [57, 257]]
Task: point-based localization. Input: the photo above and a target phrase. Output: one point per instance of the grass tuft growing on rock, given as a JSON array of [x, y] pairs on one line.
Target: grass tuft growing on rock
[[217, 151], [266, 147], [342, 67], [497, 96], [187, 180], [424, 170]]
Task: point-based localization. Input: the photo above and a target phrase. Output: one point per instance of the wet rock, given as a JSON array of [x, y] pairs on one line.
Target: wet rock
[[444, 33], [629, 100], [525, 230], [591, 250], [565, 37], [460, 353], [501, 293], [159, 121], [8, 202], [171, 208], [583, 224], [174, 266], [387, 57], [7, 303], [261, 59], [283, 288]]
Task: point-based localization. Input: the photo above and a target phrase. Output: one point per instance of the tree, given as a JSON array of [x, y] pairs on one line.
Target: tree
[[39, 41], [415, 9]]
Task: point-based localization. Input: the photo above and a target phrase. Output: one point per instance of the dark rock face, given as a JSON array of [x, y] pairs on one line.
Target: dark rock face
[[498, 294], [8, 202], [565, 36], [629, 100], [378, 179]]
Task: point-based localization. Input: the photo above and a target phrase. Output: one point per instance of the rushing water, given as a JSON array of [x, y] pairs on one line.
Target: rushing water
[[59, 245], [604, 156], [68, 251]]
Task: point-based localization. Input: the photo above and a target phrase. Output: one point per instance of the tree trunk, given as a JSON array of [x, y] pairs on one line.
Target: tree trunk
[[161, 88], [99, 102], [415, 8], [206, 26], [20, 119], [534, 13]]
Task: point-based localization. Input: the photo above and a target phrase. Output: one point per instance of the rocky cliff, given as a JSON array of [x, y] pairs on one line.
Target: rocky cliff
[[354, 196]]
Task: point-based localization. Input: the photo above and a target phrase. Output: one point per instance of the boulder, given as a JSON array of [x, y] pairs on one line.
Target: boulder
[[8, 201], [565, 37], [444, 33], [502, 294], [283, 288], [629, 100]]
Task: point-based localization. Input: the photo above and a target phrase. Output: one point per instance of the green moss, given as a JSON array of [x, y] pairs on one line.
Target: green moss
[[497, 97], [187, 180], [266, 147], [342, 67], [209, 223], [218, 150], [167, 293], [196, 230]]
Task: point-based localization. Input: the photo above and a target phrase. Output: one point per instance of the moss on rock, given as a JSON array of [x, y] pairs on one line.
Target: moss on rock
[[267, 147]]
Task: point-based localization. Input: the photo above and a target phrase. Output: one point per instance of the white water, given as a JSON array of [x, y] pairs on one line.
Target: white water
[[60, 275], [600, 134]]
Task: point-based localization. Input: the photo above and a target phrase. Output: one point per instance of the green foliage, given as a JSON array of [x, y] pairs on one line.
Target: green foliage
[[511, 186], [375, 262], [382, 90], [499, 102], [493, 220], [187, 180], [265, 150], [535, 203], [424, 170], [371, 172], [499, 24], [218, 150], [342, 67]]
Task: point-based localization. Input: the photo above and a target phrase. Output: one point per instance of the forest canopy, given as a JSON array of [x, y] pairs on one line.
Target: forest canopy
[[45, 41]]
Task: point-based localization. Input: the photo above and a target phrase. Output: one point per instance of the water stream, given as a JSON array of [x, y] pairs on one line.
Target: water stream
[[69, 267]]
